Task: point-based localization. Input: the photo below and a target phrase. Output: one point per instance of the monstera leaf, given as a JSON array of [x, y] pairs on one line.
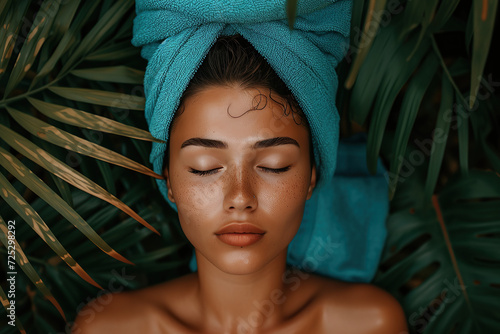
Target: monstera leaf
[[443, 261]]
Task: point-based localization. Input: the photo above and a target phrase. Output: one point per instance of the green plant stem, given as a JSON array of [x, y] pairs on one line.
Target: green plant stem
[[446, 71], [5, 102]]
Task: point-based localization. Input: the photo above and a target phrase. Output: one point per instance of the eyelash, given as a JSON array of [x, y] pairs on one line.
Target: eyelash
[[276, 170], [204, 172], [213, 171]]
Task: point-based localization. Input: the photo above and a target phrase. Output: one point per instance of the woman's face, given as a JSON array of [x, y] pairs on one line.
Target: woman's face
[[239, 180]]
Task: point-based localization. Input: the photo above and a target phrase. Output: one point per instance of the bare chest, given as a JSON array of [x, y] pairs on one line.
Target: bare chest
[[308, 320]]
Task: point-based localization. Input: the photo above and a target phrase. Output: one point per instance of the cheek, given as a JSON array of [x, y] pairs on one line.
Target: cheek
[[195, 202], [286, 199], [293, 189], [185, 191], [192, 209]]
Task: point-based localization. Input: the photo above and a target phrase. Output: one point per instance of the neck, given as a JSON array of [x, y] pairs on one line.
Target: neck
[[246, 303]]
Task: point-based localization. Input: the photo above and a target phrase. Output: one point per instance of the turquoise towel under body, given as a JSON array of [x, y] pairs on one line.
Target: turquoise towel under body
[[176, 35]]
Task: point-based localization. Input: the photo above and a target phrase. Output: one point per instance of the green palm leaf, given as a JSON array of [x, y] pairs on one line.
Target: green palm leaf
[[99, 32], [76, 68], [52, 57], [156, 258], [67, 40], [453, 239], [100, 97], [409, 110], [121, 74], [9, 30], [383, 76], [116, 51], [89, 121], [3, 4], [419, 16], [25, 265], [370, 30], [443, 14], [393, 62], [31, 217], [439, 139], [33, 43], [484, 13], [482, 127], [463, 139], [391, 84], [6, 303], [448, 280], [74, 143], [64, 172], [29, 179]]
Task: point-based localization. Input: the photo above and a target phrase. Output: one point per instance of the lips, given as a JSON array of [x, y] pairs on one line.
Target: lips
[[240, 234]]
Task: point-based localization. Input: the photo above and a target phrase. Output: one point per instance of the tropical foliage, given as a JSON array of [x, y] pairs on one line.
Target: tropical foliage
[[418, 96], [71, 88], [72, 135], [441, 259]]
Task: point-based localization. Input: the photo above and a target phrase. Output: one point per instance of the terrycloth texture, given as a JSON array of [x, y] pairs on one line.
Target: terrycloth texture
[[176, 35], [343, 229]]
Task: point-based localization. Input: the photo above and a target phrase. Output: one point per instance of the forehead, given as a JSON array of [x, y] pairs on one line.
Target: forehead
[[234, 114]]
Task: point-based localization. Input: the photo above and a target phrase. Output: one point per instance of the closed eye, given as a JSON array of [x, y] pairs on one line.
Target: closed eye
[[204, 172], [215, 170], [275, 170]]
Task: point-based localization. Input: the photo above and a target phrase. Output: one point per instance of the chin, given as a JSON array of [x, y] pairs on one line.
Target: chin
[[245, 262], [238, 269]]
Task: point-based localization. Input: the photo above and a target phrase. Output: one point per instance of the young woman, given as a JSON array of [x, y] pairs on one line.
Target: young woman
[[240, 168]]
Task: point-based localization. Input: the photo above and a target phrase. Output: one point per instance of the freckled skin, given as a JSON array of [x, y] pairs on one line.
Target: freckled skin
[[243, 289], [240, 190]]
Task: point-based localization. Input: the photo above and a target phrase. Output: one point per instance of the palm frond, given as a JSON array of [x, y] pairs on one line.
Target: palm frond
[[439, 246], [26, 266], [120, 74], [66, 173], [30, 180], [408, 114], [442, 261], [370, 30], [74, 143], [89, 121], [103, 98], [33, 219], [383, 74], [42, 68], [6, 304], [484, 13], [440, 138]]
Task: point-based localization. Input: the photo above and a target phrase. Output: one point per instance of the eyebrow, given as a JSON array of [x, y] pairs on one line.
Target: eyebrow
[[212, 143]]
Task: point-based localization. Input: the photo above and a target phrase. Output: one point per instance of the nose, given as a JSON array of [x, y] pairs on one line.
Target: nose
[[240, 194]]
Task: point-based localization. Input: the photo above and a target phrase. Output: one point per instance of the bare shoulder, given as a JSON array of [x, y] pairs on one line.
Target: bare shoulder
[[359, 308], [103, 313], [128, 312]]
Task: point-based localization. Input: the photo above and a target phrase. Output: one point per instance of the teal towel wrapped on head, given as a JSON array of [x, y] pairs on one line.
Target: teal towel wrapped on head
[[176, 35]]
